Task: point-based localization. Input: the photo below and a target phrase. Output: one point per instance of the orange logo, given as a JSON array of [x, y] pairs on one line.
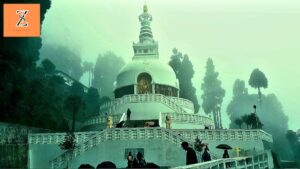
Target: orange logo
[[21, 20]]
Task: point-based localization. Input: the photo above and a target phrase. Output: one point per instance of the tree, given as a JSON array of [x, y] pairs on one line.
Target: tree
[[88, 67], [239, 88], [48, 66], [74, 104], [198, 145], [258, 80], [213, 93], [105, 73], [184, 72], [293, 138], [239, 122], [75, 101], [69, 142], [175, 61], [77, 89], [271, 116], [246, 119], [92, 101], [185, 75], [255, 121], [65, 59]]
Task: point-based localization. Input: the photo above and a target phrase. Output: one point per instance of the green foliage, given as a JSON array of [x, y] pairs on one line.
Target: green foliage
[[88, 67], [250, 120], [69, 142], [239, 122], [92, 101], [213, 93], [74, 104], [198, 145], [239, 88], [187, 90], [258, 80], [294, 143], [77, 89], [65, 59], [184, 71], [175, 61], [105, 73], [271, 115], [48, 66]]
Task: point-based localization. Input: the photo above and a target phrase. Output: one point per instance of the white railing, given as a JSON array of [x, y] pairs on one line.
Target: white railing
[[173, 136], [223, 135], [255, 161], [102, 119], [183, 102], [170, 102], [118, 134], [16, 134], [56, 138], [188, 118], [176, 118]]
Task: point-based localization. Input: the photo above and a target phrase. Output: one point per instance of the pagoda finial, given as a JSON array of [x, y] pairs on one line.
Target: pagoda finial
[[145, 9], [145, 20]]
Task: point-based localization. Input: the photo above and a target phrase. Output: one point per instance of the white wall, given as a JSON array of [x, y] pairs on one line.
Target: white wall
[[157, 151]]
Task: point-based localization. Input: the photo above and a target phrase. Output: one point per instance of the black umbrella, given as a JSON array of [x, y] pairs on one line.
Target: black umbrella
[[224, 146]]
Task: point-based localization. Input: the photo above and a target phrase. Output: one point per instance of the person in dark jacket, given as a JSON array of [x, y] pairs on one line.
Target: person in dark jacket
[[206, 155], [139, 161], [225, 155], [191, 157], [128, 114], [129, 160]]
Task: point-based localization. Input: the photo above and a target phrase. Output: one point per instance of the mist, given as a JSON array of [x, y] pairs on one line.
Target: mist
[[238, 36]]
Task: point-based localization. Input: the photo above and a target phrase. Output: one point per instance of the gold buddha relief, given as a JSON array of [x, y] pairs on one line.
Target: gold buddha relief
[[144, 83]]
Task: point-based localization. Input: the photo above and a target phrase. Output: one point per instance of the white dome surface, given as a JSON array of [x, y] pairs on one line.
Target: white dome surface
[[161, 73]]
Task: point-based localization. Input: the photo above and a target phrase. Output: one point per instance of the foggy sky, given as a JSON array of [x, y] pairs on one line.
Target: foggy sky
[[239, 35]]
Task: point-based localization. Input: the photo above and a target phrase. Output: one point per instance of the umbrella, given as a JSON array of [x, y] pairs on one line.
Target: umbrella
[[223, 146]]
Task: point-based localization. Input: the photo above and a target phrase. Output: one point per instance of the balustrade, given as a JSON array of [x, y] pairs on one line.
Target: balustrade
[[174, 102], [256, 161], [174, 136]]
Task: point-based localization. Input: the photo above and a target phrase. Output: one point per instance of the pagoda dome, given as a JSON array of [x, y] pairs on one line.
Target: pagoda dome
[[160, 73]]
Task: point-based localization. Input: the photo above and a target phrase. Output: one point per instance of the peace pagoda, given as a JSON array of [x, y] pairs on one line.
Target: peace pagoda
[[148, 116]]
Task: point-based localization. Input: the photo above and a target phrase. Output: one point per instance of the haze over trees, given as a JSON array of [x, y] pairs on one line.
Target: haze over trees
[[271, 115], [89, 68], [184, 71], [64, 59], [293, 139], [106, 70], [213, 93]]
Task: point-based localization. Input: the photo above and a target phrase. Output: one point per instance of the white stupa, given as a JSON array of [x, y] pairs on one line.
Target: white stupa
[[149, 89]]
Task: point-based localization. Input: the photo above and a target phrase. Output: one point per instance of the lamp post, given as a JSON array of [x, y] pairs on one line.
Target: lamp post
[[254, 106]]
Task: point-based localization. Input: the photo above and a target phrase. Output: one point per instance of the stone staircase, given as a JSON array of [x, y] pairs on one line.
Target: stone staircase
[[116, 134], [89, 140]]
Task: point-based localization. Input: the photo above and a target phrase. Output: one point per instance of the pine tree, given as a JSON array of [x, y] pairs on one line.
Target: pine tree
[[258, 80], [106, 70], [184, 71], [213, 93]]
